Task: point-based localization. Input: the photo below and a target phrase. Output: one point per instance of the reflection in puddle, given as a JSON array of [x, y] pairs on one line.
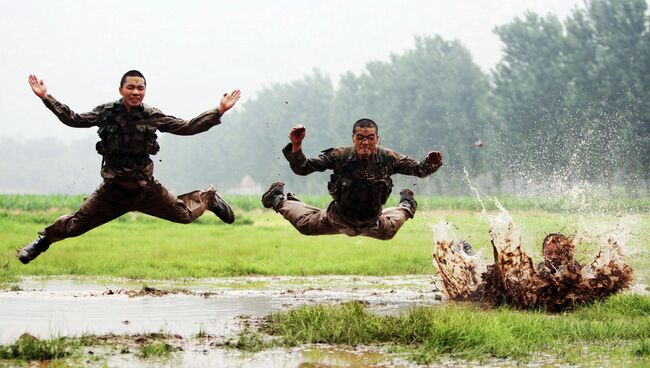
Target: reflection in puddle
[[328, 356]]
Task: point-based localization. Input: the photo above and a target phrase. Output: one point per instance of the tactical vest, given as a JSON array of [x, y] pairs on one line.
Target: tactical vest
[[361, 187], [129, 143]]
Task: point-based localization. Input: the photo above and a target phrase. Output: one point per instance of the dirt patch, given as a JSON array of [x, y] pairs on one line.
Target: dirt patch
[[151, 291]]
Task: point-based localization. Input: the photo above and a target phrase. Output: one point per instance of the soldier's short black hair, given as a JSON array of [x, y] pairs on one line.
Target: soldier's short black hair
[[132, 73], [364, 123]]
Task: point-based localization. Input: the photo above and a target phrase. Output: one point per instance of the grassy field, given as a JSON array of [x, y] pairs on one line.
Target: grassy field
[[615, 332], [611, 333], [599, 203], [261, 242]]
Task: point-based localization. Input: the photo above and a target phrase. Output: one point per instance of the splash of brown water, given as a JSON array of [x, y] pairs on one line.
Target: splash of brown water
[[557, 283]]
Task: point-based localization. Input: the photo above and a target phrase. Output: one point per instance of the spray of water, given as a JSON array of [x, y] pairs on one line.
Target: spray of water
[[557, 283], [461, 273]]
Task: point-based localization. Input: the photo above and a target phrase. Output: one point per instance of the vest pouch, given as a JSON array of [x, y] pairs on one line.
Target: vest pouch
[[345, 191], [151, 139], [110, 140], [135, 140], [380, 192]]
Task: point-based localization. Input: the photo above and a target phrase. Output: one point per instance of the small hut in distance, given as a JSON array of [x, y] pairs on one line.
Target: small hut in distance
[[247, 186]]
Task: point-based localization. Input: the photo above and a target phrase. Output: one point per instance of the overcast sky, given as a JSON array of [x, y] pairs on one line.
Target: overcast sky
[[191, 53]]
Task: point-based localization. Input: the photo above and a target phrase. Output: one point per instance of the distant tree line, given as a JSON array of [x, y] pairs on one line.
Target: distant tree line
[[567, 103]]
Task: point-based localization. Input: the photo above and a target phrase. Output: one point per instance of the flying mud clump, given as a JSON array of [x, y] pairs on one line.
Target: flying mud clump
[[557, 283]]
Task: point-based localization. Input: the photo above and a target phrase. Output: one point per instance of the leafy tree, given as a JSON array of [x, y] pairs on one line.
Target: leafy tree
[[572, 96]]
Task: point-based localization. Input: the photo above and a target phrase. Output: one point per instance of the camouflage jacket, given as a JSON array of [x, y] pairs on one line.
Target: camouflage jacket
[[130, 165], [359, 187]]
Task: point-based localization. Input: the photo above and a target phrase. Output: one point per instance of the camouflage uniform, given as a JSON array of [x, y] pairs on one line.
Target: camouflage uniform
[[359, 188], [127, 140]]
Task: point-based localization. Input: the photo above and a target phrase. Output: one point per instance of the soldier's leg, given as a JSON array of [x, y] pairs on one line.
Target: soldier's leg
[[308, 220], [388, 223], [184, 209], [392, 219], [105, 204]]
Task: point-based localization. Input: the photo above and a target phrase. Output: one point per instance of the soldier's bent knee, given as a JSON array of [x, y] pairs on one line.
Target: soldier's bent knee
[[185, 219], [306, 230]]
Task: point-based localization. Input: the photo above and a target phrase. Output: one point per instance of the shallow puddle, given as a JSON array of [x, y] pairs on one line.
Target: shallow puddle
[[312, 356], [51, 307]]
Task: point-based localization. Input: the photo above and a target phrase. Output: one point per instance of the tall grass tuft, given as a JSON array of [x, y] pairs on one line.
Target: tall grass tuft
[[155, 350], [28, 347], [643, 348], [466, 331]]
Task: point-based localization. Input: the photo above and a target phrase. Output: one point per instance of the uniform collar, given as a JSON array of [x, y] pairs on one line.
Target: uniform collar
[[375, 157], [138, 110]]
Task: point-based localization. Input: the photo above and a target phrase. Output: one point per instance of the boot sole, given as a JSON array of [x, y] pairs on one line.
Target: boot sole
[[267, 197]]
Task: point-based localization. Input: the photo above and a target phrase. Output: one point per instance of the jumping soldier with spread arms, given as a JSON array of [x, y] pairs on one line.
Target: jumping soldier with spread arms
[[360, 185], [127, 130]]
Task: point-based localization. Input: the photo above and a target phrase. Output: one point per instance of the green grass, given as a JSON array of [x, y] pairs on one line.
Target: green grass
[[619, 328], [643, 348], [598, 203], [155, 350], [263, 243], [30, 348], [71, 352]]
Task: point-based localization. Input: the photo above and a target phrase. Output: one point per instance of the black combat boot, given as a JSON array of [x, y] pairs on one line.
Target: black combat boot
[[32, 250], [273, 196], [222, 209], [407, 201]]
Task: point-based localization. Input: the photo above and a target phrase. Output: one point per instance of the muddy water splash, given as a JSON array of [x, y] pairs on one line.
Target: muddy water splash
[[558, 283]]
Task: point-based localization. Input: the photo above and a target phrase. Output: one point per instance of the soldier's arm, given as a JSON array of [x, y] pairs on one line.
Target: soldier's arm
[[174, 125], [199, 124], [63, 112], [69, 117], [408, 166], [301, 165]]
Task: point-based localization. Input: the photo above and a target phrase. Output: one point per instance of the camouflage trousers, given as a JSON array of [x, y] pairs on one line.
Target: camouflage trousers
[[310, 220], [110, 201]]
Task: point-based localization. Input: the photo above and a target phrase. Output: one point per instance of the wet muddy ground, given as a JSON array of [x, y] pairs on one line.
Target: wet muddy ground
[[217, 308]]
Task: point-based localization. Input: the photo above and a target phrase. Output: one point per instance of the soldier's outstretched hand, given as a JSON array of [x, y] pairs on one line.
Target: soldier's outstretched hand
[[38, 86], [228, 100], [296, 135], [434, 158]]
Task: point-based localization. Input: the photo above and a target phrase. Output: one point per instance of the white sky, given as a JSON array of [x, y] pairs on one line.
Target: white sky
[[191, 53]]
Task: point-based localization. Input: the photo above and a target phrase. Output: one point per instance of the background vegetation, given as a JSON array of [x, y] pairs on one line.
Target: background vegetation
[[567, 104]]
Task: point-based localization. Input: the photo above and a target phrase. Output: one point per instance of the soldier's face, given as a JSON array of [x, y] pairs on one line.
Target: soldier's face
[[132, 92], [365, 141]]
